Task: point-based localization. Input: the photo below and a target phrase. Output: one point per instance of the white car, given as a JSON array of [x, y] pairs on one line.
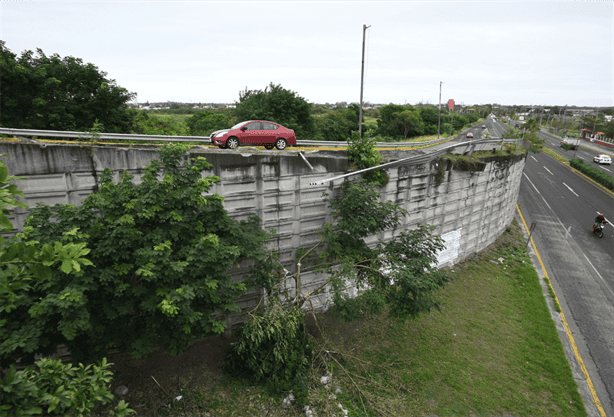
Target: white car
[[603, 159]]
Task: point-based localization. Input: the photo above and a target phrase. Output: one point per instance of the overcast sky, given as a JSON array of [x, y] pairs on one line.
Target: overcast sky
[[508, 52]]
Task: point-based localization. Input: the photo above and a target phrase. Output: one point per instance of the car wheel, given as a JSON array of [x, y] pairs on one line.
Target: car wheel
[[281, 144], [232, 143], [269, 147]]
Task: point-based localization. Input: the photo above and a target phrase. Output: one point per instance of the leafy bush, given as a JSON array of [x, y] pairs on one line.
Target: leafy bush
[[143, 123], [162, 253], [362, 154], [273, 348], [58, 389], [401, 274], [601, 177], [206, 122], [8, 192]]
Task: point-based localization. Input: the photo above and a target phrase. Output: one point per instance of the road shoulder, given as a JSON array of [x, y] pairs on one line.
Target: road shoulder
[[591, 402]]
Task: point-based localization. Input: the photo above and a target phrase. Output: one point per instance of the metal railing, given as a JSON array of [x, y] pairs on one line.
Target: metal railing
[[201, 139], [465, 147]]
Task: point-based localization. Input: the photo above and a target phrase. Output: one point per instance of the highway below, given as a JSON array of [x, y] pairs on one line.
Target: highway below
[[563, 205]]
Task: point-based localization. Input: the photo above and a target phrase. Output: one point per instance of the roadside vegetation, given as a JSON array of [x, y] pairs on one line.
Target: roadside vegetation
[[598, 175], [493, 349]]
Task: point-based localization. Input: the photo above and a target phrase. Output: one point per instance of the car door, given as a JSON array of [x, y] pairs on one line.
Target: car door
[[251, 133], [269, 133]]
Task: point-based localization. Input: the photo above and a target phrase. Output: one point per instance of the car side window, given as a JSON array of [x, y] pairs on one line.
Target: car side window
[[253, 126], [269, 126]]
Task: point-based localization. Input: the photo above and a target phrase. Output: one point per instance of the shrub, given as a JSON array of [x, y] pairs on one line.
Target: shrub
[[162, 253], [362, 154], [592, 172], [58, 389]]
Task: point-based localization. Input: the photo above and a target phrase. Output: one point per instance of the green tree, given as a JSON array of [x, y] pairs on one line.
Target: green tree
[[206, 122], [279, 105], [54, 93], [386, 122], [337, 125], [397, 121], [400, 274], [163, 252], [410, 122], [430, 117]]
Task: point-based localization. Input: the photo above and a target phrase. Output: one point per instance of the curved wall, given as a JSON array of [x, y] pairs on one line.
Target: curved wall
[[470, 209]]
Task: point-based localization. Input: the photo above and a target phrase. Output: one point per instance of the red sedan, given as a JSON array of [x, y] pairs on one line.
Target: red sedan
[[254, 132]]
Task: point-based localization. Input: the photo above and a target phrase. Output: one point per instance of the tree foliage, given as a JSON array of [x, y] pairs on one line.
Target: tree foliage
[[337, 125], [206, 122], [162, 252], [400, 274], [57, 389], [54, 93], [362, 154], [8, 201], [398, 121], [144, 123], [279, 105]]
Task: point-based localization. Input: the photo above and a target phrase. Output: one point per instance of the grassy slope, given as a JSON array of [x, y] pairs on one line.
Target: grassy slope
[[492, 350]]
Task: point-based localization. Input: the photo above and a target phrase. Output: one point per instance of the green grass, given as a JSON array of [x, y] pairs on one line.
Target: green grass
[[493, 349]]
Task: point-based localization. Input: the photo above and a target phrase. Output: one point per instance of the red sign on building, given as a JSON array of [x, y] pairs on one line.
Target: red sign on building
[[450, 104]]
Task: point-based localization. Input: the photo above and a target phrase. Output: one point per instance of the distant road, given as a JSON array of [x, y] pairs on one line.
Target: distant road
[[581, 266]]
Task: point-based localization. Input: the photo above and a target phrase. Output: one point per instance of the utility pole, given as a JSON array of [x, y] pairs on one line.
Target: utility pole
[[362, 73], [439, 118], [595, 124]]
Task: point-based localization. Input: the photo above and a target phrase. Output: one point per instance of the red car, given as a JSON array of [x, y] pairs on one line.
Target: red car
[[254, 132]]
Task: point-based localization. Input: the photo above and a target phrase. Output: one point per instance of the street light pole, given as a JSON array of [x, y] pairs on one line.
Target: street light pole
[[362, 73], [439, 117], [595, 124]]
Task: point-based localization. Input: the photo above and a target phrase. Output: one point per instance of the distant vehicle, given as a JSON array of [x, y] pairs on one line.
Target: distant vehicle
[[483, 126], [254, 132], [469, 135], [571, 142], [603, 159]]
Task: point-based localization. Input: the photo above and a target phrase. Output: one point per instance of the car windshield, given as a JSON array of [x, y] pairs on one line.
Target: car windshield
[[238, 125]]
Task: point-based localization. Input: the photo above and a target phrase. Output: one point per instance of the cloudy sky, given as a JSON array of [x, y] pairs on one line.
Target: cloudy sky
[[508, 52]]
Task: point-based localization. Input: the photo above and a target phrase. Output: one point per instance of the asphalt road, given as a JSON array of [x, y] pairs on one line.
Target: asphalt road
[[563, 206], [581, 266]]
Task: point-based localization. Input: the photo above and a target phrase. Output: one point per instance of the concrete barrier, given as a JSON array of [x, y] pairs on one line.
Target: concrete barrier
[[470, 209]]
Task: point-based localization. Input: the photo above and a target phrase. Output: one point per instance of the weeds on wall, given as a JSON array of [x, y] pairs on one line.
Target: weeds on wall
[[362, 154]]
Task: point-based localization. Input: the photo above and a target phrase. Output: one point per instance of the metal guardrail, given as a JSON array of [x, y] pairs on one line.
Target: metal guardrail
[[113, 136], [469, 147], [202, 139]]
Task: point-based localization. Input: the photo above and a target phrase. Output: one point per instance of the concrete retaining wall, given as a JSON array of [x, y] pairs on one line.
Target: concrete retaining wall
[[470, 209]]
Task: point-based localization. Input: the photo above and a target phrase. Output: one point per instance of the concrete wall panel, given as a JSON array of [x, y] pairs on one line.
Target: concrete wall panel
[[475, 207]]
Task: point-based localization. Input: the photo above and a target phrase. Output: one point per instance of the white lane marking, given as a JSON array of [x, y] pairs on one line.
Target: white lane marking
[[540, 194], [533, 158], [605, 168], [548, 170], [569, 188], [605, 284]]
